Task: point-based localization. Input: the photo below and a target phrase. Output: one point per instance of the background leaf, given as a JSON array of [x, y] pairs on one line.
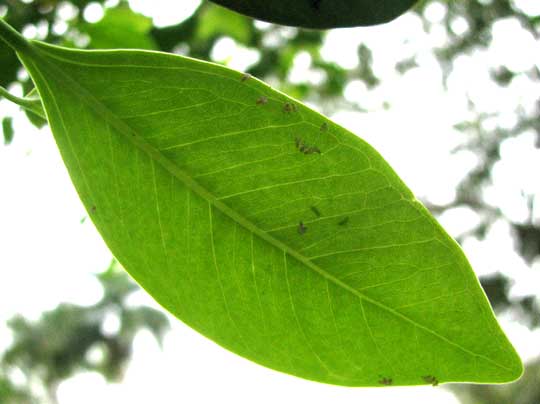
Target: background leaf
[[321, 13], [271, 230], [120, 28], [7, 129], [218, 21]]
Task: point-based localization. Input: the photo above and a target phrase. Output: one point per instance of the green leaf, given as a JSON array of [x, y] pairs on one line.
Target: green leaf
[[321, 14], [7, 128], [31, 103], [9, 65], [34, 111], [120, 27], [263, 225], [215, 21]]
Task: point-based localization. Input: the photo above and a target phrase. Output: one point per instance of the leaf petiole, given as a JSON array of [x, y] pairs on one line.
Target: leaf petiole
[[30, 104], [12, 38]]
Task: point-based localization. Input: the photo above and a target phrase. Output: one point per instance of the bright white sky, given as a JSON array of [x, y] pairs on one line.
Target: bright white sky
[[47, 256]]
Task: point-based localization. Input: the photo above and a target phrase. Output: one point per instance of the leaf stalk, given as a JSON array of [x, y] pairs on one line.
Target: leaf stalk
[[13, 38], [30, 104]]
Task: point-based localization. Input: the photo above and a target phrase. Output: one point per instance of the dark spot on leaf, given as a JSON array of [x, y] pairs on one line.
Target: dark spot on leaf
[[289, 107], [304, 148], [300, 145], [324, 127], [316, 211], [301, 228], [245, 77], [315, 4], [431, 380], [262, 100], [311, 150], [385, 381], [344, 221], [93, 209]]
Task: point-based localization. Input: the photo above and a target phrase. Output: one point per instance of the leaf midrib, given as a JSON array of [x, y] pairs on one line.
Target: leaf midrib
[[87, 98]]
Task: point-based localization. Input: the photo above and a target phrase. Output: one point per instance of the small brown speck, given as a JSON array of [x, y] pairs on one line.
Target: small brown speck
[[385, 381], [93, 209], [304, 148], [431, 380], [301, 228], [344, 221], [324, 127], [289, 107], [311, 150], [245, 77], [262, 100]]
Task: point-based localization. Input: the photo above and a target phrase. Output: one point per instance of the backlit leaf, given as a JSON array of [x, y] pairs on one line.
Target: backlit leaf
[[263, 225], [120, 27], [217, 21], [7, 129]]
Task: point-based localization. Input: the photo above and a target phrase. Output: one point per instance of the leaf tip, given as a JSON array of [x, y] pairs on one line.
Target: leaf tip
[[516, 370]]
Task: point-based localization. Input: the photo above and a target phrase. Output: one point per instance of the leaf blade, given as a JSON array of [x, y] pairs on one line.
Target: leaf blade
[[242, 299], [321, 14]]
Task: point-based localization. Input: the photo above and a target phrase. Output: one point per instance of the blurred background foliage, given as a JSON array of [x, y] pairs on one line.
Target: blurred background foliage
[[72, 338]]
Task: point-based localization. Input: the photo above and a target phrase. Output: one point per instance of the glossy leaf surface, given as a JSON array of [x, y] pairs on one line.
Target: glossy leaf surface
[[321, 13], [263, 225]]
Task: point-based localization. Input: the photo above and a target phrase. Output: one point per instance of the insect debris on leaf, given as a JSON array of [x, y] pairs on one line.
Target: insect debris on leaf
[[304, 148], [324, 127], [311, 150], [300, 145], [431, 380], [301, 228], [245, 77], [262, 100], [289, 107], [386, 381]]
